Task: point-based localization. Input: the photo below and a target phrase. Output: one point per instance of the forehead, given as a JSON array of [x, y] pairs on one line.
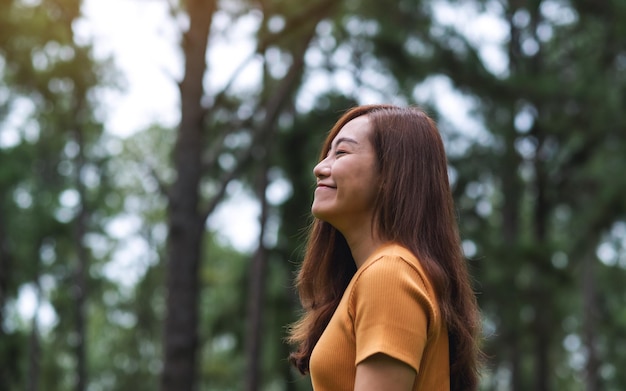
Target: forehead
[[357, 129]]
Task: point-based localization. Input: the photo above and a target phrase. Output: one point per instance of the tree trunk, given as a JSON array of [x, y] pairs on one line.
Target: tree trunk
[[542, 296], [590, 303], [34, 351], [516, 372], [512, 190], [257, 291], [6, 369], [186, 223], [80, 282], [272, 108], [541, 329]]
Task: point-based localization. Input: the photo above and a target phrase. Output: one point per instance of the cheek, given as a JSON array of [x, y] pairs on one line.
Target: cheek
[[364, 185], [372, 181]]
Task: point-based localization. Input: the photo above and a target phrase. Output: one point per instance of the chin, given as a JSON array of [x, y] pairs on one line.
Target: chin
[[317, 214], [320, 213]]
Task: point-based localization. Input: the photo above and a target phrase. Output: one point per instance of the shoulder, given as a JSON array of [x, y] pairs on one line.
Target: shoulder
[[392, 307], [393, 262], [393, 275]]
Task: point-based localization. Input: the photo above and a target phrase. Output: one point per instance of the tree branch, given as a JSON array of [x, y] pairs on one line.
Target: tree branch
[[272, 109]]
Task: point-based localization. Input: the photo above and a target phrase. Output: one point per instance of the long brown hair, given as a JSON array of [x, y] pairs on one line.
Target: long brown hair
[[415, 209]]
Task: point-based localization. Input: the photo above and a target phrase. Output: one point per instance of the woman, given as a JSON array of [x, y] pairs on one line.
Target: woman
[[387, 299]]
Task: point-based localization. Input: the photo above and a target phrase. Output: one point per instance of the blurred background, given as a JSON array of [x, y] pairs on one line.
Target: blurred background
[[156, 176]]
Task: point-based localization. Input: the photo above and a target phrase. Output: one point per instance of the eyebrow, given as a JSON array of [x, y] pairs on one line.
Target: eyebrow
[[345, 139]]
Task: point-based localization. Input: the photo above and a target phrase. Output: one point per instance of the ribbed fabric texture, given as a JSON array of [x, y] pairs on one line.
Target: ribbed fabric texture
[[389, 307]]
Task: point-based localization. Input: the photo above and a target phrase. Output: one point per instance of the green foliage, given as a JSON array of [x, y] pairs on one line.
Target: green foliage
[[222, 306], [52, 176], [543, 195], [539, 187]]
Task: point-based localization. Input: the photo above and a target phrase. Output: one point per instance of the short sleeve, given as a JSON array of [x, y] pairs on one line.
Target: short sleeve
[[391, 311]]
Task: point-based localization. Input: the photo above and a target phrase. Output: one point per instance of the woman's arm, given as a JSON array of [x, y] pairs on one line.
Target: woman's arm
[[381, 372]]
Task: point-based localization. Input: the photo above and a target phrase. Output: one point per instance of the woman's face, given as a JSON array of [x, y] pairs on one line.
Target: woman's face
[[348, 178]]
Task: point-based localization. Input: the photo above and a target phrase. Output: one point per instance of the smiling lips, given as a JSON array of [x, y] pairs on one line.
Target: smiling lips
[[324, 186]]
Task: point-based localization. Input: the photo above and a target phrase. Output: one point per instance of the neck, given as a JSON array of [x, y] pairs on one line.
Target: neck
[[362, 242]]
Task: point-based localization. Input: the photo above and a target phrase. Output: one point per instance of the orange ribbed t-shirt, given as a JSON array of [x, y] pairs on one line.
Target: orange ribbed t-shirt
[[389, 307]]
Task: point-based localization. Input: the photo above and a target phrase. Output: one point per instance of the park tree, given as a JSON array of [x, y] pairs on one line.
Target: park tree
[[535, 204], [201, 177], [536, 184], [53, 183], [535, 165]]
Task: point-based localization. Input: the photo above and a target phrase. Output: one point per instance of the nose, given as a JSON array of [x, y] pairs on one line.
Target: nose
[[322, 169]]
